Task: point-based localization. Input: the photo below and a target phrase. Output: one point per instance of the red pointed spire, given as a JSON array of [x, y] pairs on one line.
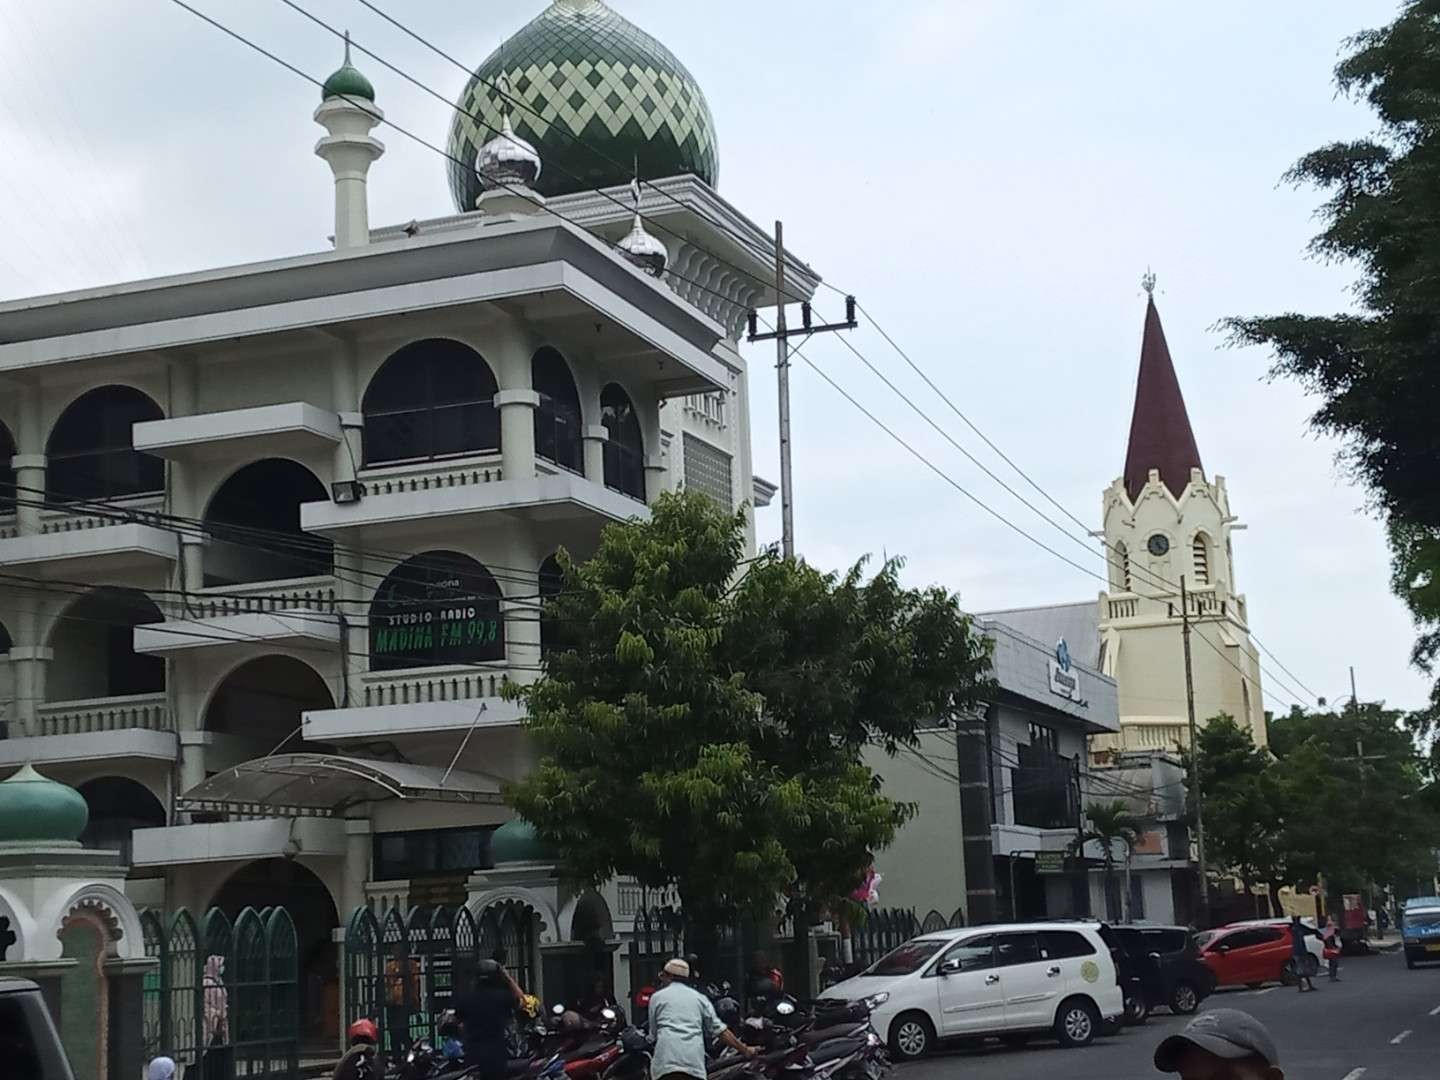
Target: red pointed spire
[[1160, 434]]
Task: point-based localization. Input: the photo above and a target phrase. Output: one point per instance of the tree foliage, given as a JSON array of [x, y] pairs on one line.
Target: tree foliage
[[1374, 370], [1106, 824], [700, 721], [1341, 794], [1243, 808]]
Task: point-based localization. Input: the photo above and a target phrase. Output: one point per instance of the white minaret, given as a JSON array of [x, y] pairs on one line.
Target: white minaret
[[348, 112], [1165, 520]]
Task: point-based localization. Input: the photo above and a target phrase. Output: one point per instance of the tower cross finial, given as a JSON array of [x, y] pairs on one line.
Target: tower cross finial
[[1147, 282]]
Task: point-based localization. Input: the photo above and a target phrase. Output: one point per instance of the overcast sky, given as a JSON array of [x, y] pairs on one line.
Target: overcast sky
[[991, 178]]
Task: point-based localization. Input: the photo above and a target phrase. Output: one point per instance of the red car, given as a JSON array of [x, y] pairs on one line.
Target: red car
[[1249, 955]]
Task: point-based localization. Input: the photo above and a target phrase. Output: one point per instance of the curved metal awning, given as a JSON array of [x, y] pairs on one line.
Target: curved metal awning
[[329, 784]]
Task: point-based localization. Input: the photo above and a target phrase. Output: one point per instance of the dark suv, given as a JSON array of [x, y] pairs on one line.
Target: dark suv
[[1164, 962]]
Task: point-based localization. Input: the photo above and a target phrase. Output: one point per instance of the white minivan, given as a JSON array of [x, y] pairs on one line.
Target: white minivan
[[1011, 981]]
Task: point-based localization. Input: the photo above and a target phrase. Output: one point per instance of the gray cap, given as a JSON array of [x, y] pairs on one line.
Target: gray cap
[[1226, 1033]]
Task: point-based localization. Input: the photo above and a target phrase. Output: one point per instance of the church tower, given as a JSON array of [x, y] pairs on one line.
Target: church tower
[[1163, 520]]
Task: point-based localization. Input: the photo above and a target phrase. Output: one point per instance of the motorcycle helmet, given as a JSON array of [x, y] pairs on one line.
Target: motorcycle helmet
[[633, 1040], [363, 1030]]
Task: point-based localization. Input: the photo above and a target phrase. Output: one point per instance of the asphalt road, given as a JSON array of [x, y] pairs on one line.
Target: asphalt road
[[1380, 1022]]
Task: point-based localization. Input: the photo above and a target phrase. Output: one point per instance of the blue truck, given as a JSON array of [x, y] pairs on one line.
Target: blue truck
[[1420, 930]]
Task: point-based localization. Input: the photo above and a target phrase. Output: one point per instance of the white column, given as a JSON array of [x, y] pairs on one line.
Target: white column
[[28, 663], [595, 438], [349, 149], [358, 833], [181, 482], [29, 463], [654, 477], [345, 400], [517, 432]]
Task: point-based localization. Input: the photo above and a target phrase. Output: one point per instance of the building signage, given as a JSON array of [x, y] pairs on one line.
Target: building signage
[[440, 608], [1050, 862], [1064, 679]]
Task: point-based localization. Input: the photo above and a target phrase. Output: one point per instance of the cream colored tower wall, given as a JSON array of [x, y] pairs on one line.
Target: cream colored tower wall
[[1150, 544]]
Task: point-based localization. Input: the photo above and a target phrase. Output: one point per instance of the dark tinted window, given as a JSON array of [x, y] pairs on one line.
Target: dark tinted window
[[432, 399], [911, 956], [431, 851], [557, 419], [1167, 941], [1244, 939], [1011, 949], [90, 452], [976, 954], [438, 608], [1059, 944], [625, 446]]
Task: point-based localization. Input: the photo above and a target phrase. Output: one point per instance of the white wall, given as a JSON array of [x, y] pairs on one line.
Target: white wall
[[924, 867]]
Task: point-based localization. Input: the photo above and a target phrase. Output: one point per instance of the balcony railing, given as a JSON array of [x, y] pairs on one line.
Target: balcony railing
[[1155, 736], [416, 685], [145, 509], [147, 712], [430, 476], [1126, 608], [297, 594]]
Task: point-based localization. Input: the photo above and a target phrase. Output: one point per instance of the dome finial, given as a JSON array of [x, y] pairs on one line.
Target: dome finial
[[1147, 282], [507, 160], [347, 81], [642, 249]]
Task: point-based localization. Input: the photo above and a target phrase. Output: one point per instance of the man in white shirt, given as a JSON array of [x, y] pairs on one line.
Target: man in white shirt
[[682, 1024]]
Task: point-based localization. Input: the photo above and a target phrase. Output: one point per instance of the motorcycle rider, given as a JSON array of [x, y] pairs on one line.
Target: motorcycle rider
[[485, 1012], [359, 1061], [682, 1023]]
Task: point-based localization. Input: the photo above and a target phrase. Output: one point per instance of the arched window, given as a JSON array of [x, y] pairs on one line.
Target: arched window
[[253, 523], [437, 608], [260, 706], [1120, 560], [1200, 550], [624, 446], [557, 420], [551, 580], [90, 454], [7, 472], [94, 648], [432, 399], [118, 806]]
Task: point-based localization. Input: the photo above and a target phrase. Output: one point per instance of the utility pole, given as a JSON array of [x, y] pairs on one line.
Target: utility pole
[[1195, 791], [782, 334]]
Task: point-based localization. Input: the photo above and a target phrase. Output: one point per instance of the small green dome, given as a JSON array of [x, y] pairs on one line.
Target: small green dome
[[516, 841], [347, 82], [36, 809]]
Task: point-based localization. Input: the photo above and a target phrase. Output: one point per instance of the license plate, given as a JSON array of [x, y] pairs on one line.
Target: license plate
[[1433, 948]]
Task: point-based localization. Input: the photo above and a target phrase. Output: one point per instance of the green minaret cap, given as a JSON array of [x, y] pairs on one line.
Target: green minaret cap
[[36, 809], [347, 81]]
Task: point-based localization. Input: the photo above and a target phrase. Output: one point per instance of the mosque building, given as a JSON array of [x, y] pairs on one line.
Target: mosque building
[[280, 531]]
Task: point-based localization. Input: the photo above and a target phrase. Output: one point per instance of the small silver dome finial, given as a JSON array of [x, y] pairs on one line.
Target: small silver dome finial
[[642, 249], [507, 160]]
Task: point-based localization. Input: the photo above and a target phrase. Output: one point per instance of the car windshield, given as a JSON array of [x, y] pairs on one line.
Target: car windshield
[[908, 958], [1204, 937], [1427, 917]]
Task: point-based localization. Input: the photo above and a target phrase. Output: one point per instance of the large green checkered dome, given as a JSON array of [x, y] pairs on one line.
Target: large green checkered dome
[[596, 95]]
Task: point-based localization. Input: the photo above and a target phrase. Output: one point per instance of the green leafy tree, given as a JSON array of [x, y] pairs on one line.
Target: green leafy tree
[[1374, 371], [700, 721], [1106, 824], [1244, 824], [1351, 787]]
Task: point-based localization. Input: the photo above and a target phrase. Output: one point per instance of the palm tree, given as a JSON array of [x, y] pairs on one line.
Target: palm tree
[[1106, 823]]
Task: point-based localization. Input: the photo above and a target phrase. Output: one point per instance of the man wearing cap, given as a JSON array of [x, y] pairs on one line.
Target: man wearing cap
[[1222, 1044], [682, 1023]]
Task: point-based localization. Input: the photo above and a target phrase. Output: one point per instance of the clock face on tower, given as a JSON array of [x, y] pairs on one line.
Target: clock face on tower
[[1158, 544]]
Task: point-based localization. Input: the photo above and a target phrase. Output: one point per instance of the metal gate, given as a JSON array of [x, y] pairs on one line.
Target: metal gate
[[659, 936], [224, 1000], [883, 930], [404, 968]]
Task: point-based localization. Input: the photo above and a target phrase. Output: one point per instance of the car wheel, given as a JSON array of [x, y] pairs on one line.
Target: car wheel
[[1076, 1023], [1016, 1040], [1137, 1009], [1410, 962], [911, 1036], [1184, 999]]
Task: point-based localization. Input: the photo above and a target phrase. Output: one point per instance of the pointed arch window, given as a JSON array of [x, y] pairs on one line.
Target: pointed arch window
[[438, 608], [624, 446], [1120, 560], [1200, 559]]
